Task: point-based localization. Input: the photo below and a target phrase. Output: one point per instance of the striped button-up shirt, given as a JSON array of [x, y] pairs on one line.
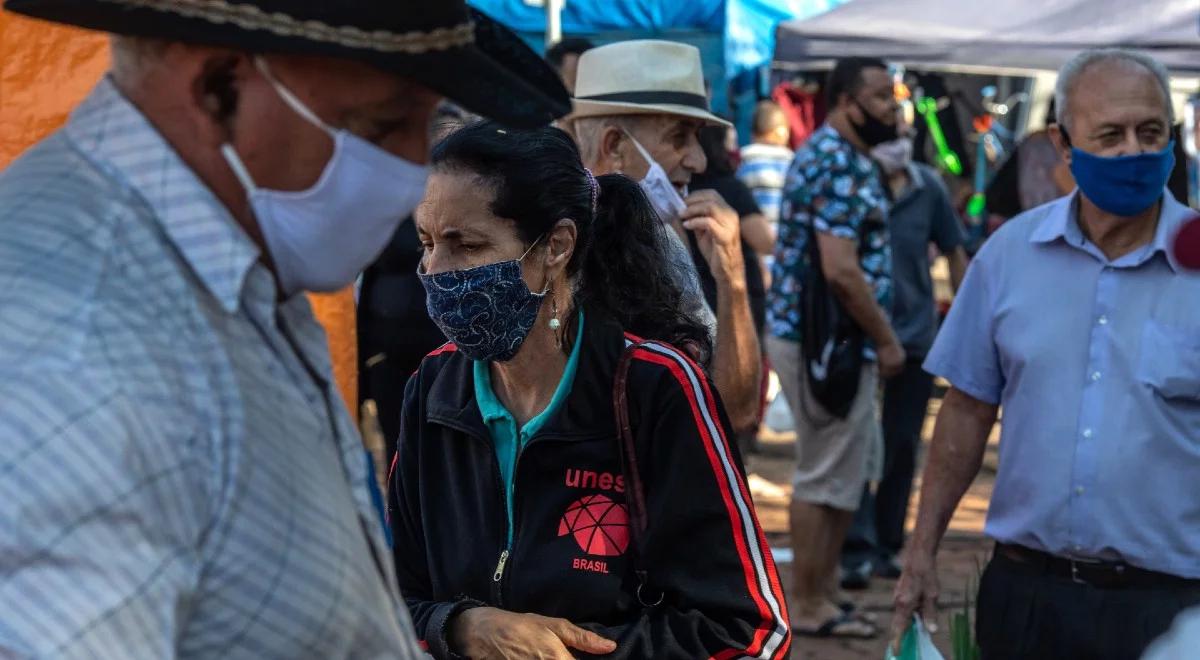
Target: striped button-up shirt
[[178, 477]]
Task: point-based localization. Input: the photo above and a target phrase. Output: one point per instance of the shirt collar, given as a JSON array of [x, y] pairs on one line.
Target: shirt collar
[[848, 146], [108, 130], [914, 176], [1055, 219], [492, 410], [914, 186], [1059, 222]]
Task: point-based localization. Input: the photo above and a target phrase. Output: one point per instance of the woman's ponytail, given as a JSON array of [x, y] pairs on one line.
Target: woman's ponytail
[[630, 273]]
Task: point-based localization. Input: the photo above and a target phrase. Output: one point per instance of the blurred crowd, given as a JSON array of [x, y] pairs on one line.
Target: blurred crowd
[[577, 296]]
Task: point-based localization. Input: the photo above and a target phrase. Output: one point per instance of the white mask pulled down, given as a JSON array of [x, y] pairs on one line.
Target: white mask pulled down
[[321, 238], [658, 188], [895, 155]]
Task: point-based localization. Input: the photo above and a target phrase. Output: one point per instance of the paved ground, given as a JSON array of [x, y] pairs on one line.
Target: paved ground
[[963, 553]]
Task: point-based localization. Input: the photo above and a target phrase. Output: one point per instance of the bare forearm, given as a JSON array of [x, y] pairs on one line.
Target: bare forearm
[[856, 296], [958, 267], [758, 234], [737, 362], [959, 441]]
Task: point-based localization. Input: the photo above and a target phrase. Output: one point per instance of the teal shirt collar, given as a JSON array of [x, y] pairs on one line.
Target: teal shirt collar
[[502, 427], [492, 410]]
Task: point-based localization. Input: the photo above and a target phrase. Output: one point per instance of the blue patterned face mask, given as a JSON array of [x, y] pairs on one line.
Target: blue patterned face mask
[[486, 311]]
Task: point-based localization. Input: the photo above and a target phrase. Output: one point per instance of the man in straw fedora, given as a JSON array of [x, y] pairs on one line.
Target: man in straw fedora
[[180, 478], [638, 107]]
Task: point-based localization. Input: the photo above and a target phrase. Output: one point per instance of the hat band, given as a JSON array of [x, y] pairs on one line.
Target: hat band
[[698, 101], [249, 17]]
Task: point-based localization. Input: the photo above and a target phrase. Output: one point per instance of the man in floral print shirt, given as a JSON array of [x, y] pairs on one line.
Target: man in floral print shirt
[[834, 187]]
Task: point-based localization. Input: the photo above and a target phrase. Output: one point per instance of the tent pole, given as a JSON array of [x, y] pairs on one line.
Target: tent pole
[[553, 21]]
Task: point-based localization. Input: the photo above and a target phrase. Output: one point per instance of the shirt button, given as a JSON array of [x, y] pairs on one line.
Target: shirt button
[[1079, 490], [1087, 433], [1095, 375], [1103, 320]]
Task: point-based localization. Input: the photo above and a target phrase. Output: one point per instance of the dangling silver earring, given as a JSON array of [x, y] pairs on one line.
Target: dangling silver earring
[[555, 324]]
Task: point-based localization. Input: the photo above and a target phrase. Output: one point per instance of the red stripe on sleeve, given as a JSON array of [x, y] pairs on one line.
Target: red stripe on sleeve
[[448, 347], [741, 542]]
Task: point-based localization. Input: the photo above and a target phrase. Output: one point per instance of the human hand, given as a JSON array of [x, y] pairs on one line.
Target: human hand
[[891, 359], [489, 633], [718, 231], [917, 591]]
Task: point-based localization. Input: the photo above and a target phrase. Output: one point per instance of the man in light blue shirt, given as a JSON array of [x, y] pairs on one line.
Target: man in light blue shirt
[[178, 475], [1076, 321]]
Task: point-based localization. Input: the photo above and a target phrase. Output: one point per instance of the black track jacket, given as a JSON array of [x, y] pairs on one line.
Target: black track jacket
[[704, 548]]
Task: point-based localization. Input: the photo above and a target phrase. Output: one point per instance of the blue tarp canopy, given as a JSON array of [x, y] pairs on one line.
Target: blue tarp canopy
[[592, 16], [736, 38], [747, 27]]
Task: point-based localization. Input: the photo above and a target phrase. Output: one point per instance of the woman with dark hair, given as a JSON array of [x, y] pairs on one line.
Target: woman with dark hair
[[527, 522]]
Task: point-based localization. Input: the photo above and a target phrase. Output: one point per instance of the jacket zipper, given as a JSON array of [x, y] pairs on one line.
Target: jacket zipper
[[510, 524], [506, 548], [499, 574], [506, 554], [498, 578]]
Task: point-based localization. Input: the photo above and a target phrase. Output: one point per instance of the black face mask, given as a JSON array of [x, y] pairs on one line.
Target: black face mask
[[872, 131]]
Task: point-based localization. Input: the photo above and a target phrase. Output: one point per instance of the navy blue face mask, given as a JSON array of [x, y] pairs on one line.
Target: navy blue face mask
[[1123, 185], [486, 311]]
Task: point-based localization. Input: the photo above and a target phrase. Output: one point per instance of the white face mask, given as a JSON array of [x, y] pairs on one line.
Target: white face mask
[[658, 188], [321, 238], [895, 155]]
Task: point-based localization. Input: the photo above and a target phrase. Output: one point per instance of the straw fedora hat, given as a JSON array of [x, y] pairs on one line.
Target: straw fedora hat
[[643, 76]]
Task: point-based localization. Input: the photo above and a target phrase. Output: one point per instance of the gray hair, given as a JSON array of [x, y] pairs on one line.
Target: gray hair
[[1069, 75], [132, 57], [588, 130]]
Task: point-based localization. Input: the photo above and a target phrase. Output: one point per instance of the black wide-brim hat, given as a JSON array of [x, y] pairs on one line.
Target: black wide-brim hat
[[443, 44]]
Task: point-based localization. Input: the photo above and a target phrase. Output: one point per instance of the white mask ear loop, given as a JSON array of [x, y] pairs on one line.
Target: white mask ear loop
[[230, 154], [531, 246], [650, 162], [522, 259], [289, 98], [238, 167]]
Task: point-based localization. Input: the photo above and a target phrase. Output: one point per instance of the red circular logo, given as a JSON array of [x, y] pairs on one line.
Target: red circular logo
[[600, 526]]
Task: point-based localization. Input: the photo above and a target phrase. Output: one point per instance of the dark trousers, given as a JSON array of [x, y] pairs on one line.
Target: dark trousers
[[1027, 614], [878, 527]]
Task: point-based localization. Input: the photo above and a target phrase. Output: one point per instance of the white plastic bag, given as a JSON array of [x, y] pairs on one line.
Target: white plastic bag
[[916, 645], [779, 416]]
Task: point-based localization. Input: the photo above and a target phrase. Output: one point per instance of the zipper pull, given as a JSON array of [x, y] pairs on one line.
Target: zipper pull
[[500, 567]]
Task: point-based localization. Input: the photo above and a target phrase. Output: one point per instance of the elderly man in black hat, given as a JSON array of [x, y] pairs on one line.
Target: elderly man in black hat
[[180, 478]]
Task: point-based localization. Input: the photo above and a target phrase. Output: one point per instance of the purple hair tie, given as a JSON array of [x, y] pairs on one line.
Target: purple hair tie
[[595, 187]]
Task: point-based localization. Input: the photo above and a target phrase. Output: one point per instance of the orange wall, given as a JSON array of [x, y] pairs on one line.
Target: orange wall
[[336, 311], [45, 70]]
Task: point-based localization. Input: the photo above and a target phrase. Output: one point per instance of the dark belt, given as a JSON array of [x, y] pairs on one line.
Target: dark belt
[[1100, 574]]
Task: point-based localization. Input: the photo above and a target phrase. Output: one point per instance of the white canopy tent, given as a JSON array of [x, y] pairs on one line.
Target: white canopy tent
[[999, 36]]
